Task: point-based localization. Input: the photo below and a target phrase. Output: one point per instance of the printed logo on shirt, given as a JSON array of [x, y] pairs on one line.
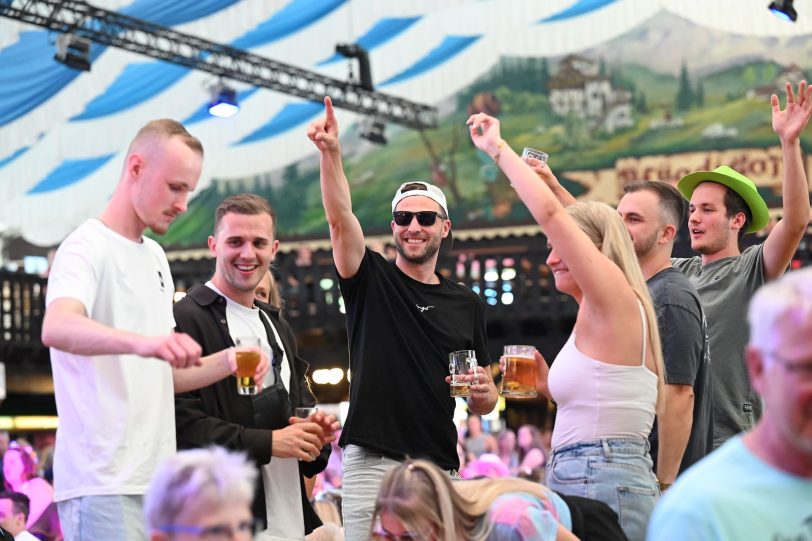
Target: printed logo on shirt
[[423, 308], [161, 278]]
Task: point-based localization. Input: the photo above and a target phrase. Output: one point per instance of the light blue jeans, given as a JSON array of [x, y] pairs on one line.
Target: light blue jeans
[[112, 518], [364, 471], [617, 472]]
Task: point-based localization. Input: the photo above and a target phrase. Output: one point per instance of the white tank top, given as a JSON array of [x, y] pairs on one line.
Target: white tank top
[[598, 400]]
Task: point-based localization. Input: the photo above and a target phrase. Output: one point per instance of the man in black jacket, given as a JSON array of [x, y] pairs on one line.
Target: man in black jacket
[[216, 313]]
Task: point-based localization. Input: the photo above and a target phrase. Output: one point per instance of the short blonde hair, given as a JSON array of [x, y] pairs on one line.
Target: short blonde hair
[[167, 128]]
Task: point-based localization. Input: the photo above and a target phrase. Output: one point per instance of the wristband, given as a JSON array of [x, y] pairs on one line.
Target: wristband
[[499, 146]]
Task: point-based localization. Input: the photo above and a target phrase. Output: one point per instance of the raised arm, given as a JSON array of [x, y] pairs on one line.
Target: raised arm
[[346, 235], [546, 175], [598, 278], [789, 124]]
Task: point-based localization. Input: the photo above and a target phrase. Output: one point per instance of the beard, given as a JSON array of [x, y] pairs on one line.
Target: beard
[[715, 245], [431, 248], [642, 247]]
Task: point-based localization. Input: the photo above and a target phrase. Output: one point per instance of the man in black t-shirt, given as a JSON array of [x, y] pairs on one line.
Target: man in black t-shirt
[[403, 319], [653, 212]]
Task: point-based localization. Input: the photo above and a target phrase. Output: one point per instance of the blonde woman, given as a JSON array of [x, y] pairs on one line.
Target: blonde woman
[[607, 377], [418, 502]]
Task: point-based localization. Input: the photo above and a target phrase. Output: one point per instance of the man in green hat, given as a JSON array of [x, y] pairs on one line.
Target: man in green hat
[[724, 205]]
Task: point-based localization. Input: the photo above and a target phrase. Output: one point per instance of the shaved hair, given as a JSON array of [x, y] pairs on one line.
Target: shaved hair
[[165, 128]]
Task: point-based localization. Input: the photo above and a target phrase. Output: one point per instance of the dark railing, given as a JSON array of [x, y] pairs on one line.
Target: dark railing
[[510, 275]]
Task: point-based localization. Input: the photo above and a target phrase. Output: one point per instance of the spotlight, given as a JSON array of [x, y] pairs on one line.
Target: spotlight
[[783, 10], [372, 130], [223, 100], [73, 51], [353, 50]]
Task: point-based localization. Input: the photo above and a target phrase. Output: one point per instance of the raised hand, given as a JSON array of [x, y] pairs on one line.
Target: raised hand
[[324, 131], [790, 123], [178, 349], [485, 133]]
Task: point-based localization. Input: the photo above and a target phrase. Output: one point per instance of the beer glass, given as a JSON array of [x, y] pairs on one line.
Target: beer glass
[[533, 153], [247, 361], [305, 413], [459, 362], [519, 379]]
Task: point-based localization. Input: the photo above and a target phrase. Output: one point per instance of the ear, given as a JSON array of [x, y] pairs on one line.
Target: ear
[[738, 220], [135, 165], [446, 228], [668, 233], [274, 249], [755, 366], [213, 246]]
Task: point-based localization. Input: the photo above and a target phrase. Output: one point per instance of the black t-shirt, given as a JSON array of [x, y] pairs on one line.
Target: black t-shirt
[[400, 334], [686, 355]]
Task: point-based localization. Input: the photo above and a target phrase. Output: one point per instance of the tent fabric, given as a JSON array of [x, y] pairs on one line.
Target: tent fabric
[[54, 119], [69, 172]]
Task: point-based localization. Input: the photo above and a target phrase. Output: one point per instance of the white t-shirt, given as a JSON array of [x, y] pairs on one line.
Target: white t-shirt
[[116, 412], [280, 477]]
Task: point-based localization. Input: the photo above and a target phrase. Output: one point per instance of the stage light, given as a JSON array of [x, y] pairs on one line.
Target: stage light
[[373, 131], [73, 51], [783, 10], [352, 50], [223, 100]]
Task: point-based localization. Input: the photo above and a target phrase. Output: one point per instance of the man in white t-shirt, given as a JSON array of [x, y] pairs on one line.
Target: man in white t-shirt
[[244, 245], [115, 358]]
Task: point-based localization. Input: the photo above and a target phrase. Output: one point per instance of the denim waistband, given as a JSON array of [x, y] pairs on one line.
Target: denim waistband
[[606, 447]]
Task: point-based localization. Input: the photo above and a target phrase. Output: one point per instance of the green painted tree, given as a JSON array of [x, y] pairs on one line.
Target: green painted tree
[[685, 95]]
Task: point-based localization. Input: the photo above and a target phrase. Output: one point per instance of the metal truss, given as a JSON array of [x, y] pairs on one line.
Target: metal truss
[[117, 30]]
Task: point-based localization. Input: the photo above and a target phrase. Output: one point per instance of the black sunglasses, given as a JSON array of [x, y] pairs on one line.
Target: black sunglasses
[[424, 217]]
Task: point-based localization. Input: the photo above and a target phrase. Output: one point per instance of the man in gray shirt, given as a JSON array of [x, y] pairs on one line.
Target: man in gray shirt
[[724, 205], [653, 212]]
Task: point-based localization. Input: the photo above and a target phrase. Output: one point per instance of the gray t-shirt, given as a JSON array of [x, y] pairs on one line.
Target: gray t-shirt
[[686, 355], [725, 288]]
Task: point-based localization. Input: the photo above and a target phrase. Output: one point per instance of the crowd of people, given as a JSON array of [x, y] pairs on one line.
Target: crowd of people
[[659, 369]]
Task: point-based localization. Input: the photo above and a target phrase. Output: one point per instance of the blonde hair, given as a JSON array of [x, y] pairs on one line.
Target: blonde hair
[[604, 227], [166, 128], [426, 502]]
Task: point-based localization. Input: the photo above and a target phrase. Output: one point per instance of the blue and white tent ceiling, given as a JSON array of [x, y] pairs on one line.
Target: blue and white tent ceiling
[[64, 133]]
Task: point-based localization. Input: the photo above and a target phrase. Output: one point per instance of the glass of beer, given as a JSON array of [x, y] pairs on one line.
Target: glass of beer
[[459, 362], [519, 379], [305, 413], [247, 361]]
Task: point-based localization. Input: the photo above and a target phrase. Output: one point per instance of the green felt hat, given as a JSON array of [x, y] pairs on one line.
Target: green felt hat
[[735, 181]]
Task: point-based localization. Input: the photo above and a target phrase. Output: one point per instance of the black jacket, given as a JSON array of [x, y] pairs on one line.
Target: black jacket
[[218, 415]]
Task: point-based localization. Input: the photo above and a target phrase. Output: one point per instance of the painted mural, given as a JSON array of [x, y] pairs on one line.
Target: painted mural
[[658, 102]]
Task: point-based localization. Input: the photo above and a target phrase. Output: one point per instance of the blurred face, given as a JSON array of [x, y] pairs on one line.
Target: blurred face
[[416, 243], [244, 247], [525, 438], [164, 171], [13, 466], [710, 228], [263, 290], [641, 216], [231, 522], [390, 528], [785, 384], [10, 521]]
